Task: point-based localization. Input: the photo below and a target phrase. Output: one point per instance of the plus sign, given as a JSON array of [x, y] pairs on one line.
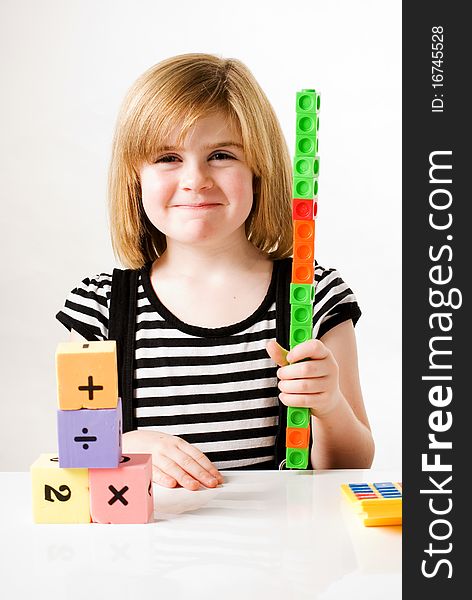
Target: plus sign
[[90, 387]]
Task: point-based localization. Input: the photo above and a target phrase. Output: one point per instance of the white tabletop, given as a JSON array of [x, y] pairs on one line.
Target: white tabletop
[[262, 534]]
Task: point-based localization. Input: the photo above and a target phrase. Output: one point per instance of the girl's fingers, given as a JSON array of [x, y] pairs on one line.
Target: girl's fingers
[[304, 370], [195, 469], [314, 385], [200, 458], [172, 469], [298, 400], [277, 353], [162, 478]]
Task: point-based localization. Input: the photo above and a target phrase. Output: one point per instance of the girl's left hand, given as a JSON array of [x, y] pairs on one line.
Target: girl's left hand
[[311, 383]]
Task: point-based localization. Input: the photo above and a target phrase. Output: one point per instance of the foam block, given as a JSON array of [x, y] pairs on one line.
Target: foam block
[[90, 438], [87, 375], [59, 495], [124, 494]]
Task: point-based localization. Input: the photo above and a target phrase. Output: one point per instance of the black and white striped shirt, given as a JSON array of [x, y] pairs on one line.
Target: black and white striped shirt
[[215, 388]]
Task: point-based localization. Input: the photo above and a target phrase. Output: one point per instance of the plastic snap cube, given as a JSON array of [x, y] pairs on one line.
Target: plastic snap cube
[[306, 166], [306, 144], [306, 124], [302, 209], [302, 293], [297, 458], [307, 101], [298, 437], [303, 272], [304, 187], [298, 417]]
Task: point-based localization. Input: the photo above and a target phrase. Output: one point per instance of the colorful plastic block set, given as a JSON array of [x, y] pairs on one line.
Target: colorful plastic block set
[[89, 480], [376, 503], [306, 166]]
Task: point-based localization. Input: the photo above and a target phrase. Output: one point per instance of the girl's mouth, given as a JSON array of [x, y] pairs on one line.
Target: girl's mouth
[[197, 206]]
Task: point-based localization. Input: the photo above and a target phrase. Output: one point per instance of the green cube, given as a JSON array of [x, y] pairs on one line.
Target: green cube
[[296, 458], [298, 417], [306, 145], [301, 315], [304, 187], [306, 166], [308, 101], [302, 293], [306, 124], [299, 334]]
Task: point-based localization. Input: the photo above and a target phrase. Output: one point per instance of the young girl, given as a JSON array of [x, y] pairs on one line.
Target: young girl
[[200, 209]]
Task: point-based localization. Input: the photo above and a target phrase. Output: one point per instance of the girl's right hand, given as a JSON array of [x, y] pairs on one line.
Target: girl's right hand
[[174, 461]]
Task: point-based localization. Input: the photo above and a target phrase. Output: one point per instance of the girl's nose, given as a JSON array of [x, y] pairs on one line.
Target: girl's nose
[[196, 177]]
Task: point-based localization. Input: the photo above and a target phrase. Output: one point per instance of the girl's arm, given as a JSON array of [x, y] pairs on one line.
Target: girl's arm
[[342, 436]]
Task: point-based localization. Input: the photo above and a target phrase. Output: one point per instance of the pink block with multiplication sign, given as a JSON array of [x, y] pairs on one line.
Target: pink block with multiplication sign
[[123, 494]]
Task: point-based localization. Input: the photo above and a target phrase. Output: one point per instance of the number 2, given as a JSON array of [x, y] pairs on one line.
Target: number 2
[[49, 490]]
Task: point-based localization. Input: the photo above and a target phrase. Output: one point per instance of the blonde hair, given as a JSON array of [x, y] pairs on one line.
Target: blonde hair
[[180, 90]]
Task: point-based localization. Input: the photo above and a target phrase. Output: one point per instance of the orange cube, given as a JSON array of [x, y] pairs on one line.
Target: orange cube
[[87, 375], [304, 231], [298, 437], [302, 272]]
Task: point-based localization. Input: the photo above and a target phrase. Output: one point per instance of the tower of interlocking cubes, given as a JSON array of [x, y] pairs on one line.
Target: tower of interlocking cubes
[[306, 165], [89, 479]]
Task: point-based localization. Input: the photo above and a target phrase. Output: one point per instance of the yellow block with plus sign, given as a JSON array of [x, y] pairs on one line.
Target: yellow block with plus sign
[[59, 495], [87, 375]]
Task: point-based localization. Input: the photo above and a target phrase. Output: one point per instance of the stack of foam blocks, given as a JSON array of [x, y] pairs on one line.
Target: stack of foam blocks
[[302, 290], [89, 480]]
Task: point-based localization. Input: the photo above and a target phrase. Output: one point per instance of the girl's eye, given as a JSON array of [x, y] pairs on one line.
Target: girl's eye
[[165, 159], [223, 155]]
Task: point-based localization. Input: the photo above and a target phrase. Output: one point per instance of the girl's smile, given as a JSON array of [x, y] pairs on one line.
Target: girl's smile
[[196, 206]]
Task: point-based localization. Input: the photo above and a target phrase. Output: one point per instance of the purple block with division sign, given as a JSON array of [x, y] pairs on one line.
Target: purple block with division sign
[[90, 438]]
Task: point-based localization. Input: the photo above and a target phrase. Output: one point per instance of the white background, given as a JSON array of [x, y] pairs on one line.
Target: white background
[[65, 67]]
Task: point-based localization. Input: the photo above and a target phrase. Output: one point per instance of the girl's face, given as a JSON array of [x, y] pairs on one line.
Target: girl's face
[[201, 192]]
